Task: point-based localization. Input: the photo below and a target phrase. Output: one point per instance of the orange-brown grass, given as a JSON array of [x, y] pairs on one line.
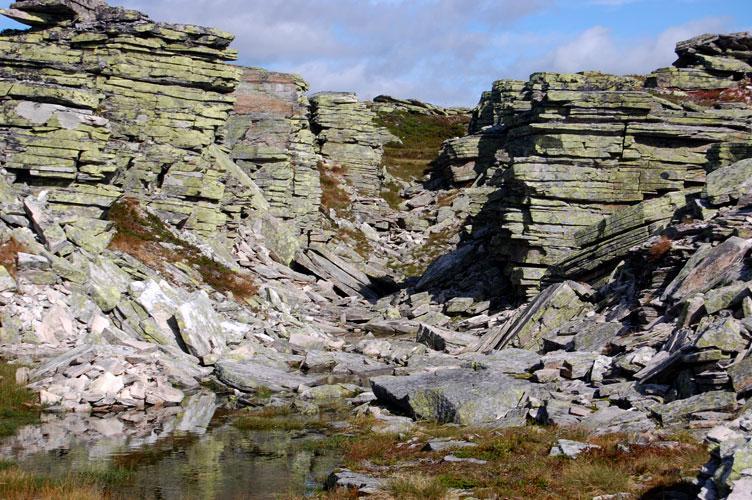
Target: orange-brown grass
[[145, 237], [333, 196], [659, 249], [9, 255], [519, 465], [94, 484]]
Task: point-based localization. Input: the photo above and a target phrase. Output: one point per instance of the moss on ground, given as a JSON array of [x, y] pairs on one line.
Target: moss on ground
[[145, 237], [18, 405]]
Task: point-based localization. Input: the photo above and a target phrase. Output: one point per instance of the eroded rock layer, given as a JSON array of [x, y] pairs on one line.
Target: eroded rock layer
[[568, 151], [99, 100], [271, 141]]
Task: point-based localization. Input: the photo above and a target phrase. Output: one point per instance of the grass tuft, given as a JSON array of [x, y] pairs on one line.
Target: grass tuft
[[18, 405], [145, 237]]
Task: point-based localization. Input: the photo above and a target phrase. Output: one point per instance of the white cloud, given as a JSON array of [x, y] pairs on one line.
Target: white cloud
[[598, 49], [443, 51]]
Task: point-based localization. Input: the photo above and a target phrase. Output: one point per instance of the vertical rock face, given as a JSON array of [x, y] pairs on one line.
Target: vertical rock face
[[96, 101], [270, 139], [567, 152], [348, 136]]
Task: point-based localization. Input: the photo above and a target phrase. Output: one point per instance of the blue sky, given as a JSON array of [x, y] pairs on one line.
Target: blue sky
[[449, 51]]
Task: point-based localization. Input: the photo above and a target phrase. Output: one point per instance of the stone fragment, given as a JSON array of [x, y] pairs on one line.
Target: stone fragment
[[440, 339], [447, 444], [551, 309], [680, 411], [571, 449], [200, 326], [349, 480], [250, 376], [715, 266]]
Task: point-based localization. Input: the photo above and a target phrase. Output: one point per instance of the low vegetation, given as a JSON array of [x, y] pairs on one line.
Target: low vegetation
[[93, 484], [18, 405], [145, 237], [519, 466], [276, 419], [422, 137], [9, 255], [335, 197], [660, 249]]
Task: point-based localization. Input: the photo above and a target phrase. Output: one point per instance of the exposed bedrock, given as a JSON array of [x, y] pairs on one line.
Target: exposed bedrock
[[568, 153]]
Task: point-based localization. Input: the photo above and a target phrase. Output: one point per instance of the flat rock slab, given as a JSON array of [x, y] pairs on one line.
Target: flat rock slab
[[461, 396], [511, 361], [347, 479], [440, 339], [678, 412], [249, 376], [571, 449], [447, 444]]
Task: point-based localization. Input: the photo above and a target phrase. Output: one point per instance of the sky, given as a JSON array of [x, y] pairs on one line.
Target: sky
[[449, 51]]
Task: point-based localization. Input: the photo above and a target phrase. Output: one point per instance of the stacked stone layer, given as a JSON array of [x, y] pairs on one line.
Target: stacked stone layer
[[271, 140], [348, 136], [568, 151], [102, 100]]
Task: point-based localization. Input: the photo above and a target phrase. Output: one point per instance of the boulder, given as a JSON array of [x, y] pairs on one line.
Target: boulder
[[200, 326], [250, 376], [461, 396]]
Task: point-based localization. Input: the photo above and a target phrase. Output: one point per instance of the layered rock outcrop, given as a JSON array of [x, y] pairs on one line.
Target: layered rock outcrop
[[568, 151], [98, 101], [349, 137], [270, 139]]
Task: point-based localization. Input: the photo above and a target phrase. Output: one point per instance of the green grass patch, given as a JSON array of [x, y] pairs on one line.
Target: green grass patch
[[422, 137], [18, 405]]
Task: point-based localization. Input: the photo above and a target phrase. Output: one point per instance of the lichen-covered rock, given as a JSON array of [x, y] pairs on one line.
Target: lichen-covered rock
[[97, 97], [349, 137], [465, 397], [568, 153], [270, 139]]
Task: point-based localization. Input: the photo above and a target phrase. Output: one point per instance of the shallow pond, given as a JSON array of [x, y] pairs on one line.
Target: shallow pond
[[190, 452]]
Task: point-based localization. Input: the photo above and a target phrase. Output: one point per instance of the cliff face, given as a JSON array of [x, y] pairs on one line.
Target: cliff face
[[270, 139], [97, 101], [568, 151]]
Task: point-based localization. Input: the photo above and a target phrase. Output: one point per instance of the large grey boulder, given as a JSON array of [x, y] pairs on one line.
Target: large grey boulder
[[200, 326], [461, 396], [250, 376]]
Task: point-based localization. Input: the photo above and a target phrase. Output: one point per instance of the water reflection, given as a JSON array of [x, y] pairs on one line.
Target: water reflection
[[185, 452]]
